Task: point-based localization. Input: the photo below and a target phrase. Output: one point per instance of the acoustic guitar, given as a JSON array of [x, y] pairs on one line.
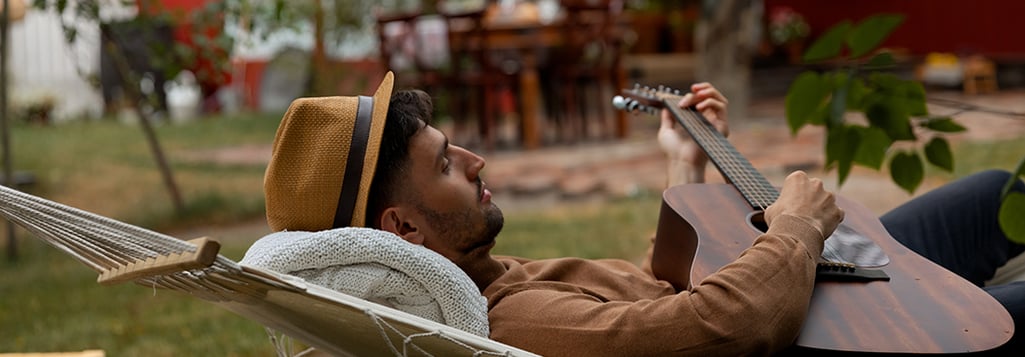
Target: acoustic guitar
[[871, 294]]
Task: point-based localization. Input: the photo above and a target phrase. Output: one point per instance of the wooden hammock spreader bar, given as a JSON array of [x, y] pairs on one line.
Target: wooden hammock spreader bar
[[204, 255]]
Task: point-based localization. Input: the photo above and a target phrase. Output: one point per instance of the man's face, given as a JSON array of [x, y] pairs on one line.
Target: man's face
[[457, 218]]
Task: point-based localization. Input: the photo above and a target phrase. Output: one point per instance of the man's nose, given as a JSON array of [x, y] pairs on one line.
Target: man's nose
[[474, 165]]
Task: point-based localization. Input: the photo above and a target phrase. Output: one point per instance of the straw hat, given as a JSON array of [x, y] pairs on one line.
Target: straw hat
[[325, 154]]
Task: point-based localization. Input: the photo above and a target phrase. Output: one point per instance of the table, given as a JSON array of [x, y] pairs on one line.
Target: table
[[522, 35], [528, 40]]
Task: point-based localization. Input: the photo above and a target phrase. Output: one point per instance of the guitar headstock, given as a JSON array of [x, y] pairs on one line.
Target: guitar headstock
[[646, 99]]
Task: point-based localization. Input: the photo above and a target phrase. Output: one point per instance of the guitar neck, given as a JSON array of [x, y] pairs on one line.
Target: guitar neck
[[734, 168]]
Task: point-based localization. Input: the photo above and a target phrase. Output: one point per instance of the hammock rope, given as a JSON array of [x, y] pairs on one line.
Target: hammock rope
[[324, 319]]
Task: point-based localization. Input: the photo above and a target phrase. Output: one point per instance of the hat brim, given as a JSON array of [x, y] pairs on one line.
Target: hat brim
[[324, 159]]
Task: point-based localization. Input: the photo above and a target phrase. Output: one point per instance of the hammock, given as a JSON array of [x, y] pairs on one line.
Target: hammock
[[323, 318]]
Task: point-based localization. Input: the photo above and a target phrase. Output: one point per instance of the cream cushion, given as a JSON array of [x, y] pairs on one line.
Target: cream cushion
[[380, 267]]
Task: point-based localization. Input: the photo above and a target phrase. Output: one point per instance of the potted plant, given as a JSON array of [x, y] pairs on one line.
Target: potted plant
[[787, 29]]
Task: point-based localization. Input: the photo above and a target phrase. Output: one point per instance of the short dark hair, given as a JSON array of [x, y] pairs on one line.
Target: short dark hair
[[408, 112]]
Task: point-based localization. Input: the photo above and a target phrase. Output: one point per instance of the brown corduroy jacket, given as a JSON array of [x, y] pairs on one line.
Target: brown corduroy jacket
[[577, 307]]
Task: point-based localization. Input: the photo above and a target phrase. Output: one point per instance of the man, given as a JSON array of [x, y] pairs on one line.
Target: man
[[337, 164]]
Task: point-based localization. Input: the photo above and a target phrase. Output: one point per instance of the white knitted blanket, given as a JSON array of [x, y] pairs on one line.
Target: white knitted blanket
[[380, 267]]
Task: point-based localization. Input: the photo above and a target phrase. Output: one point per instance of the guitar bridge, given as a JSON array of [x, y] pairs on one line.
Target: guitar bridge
[[845, 272]]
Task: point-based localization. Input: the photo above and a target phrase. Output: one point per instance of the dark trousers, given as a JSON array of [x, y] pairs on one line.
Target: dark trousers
[[956, 227]]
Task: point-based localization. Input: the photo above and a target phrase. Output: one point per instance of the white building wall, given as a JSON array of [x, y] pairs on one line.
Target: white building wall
[[42, 64]]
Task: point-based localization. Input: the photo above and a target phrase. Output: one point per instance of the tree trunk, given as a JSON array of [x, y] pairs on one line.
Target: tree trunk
[[130, 83], [725, 38], [320, 82]]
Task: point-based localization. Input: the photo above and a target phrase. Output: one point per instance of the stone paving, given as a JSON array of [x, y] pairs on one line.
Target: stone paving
[[524, 179]]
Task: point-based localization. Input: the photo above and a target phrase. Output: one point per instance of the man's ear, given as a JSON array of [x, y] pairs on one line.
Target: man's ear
[[397, 220]]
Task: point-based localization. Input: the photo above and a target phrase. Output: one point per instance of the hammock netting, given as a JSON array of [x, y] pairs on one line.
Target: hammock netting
[[325, 319]]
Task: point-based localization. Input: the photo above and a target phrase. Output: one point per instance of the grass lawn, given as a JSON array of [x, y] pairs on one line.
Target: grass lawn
[[50, 302], [107, 168]]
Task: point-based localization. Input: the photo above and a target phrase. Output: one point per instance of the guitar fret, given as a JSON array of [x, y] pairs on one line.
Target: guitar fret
[[735, 168], [739, 172]]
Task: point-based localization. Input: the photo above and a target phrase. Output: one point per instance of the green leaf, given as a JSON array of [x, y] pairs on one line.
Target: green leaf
[[914, 98], [944, 125], [820, 116], [1018, 171], [805, 96], [872, 146], [89, 10], [871, 32], [882, 59], [1012, 217], [937, 151], [856, 95], [886, 82], [841, 144], [279, 10], [70, 34], [837, 105], [889, 114], [906, 170], [829, 44]]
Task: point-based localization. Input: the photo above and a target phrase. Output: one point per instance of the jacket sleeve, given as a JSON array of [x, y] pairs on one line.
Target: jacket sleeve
[[755, 305]]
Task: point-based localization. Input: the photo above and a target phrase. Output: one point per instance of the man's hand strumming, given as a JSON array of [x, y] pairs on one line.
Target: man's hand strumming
[[803, 197]]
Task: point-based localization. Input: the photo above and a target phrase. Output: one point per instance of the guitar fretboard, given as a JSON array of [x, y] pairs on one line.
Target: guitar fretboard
[[735, 169]]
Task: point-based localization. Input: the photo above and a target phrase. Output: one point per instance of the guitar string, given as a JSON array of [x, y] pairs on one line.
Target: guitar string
[[740, 168], [733, 170], [753, 186], [756, 190]]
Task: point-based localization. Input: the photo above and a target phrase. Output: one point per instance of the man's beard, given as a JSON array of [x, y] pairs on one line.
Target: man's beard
[[463, 228], [494, 221]]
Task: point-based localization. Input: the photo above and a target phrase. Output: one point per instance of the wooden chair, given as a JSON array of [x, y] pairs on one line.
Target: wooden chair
[[979, 75], [590, 59], [475, 81], [395, 44], [402, 50]]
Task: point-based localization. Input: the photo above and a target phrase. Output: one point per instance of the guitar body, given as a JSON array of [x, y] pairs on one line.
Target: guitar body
[[924, 308]]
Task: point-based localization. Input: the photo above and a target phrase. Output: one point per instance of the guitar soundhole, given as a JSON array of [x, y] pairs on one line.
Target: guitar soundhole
[[757, 221]]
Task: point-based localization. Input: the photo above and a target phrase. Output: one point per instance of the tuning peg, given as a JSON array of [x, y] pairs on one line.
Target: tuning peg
[[619, 102], [633, 105], [625, 104]]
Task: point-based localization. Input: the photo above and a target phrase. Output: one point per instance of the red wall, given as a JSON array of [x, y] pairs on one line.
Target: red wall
[[181, 11], [995, 28]]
